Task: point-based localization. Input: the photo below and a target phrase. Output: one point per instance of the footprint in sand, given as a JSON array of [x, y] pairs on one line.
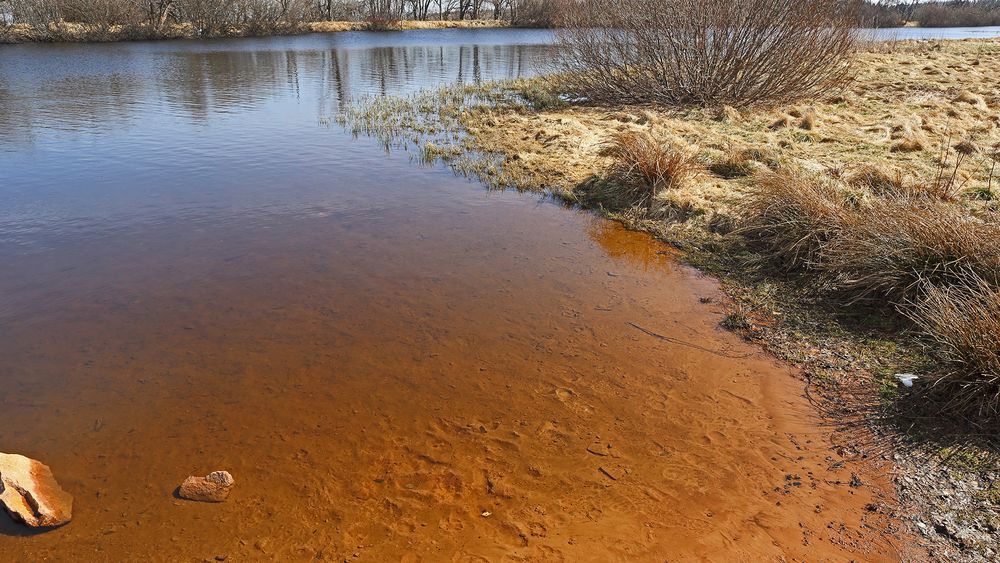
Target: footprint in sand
[[572, 401]]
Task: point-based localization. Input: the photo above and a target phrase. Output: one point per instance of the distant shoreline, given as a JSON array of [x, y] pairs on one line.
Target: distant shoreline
[[78, 33]]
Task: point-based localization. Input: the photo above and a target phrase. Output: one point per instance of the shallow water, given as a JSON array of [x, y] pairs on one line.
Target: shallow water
[[199, 272]]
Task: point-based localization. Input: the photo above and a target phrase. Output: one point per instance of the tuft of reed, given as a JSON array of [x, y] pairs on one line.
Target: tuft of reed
[[641, 166]]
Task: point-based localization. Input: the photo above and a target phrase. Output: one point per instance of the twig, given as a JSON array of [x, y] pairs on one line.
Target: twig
[[688, 344]]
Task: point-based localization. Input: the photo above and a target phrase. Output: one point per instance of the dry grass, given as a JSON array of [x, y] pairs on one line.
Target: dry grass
[[642, 166], [963, 323], [734, 164], [877, 239], [892, 102], [889, 247], [877, 180], [880, 242]]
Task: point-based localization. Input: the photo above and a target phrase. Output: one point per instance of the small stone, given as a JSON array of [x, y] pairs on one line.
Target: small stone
[[29, 491], [597, 451], [213, 487]]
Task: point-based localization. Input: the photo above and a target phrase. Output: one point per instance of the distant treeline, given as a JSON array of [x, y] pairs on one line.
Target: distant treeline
[[96, 20], [138, 19], [536, 13], [953, 13]]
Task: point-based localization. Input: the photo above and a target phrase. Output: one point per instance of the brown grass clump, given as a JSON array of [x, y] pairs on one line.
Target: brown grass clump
[[908, 138], [881, 247], [795, 217], [783, 121], [963, 322], [972, 99], [810, 120], [909, 144], [642, 166], [892, 183], [739, 164], [729, 114]]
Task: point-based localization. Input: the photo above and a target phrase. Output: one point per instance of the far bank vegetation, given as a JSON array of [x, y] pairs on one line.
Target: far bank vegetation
[[948, 13]]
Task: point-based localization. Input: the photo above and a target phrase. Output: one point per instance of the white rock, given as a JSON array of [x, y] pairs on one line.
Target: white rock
[[29, 491]]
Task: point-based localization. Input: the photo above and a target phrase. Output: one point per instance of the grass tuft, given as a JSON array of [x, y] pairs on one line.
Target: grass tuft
[[892, 245], [641, 166], [736, 164], [963, 323], [793, 216], [877, 180]]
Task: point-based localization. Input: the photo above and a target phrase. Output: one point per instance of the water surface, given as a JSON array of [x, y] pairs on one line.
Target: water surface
[[199, 272]]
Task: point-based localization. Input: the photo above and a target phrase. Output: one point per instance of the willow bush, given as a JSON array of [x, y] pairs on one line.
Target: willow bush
[[707, 52]]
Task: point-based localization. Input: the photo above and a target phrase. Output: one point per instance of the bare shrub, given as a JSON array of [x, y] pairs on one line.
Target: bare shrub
[[963, 323], [793, 216], [710, 52], [101, 13], [642, 166], [384, 15], [106, 20]]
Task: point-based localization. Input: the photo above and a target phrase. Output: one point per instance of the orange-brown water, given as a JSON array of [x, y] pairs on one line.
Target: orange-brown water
[[393, 363], [379, 399]]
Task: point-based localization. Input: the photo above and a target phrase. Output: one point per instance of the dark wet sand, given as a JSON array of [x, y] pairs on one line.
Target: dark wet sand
[[378, 383]]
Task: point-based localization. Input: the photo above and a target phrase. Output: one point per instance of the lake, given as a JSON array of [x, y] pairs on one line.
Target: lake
[[201, 271]]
